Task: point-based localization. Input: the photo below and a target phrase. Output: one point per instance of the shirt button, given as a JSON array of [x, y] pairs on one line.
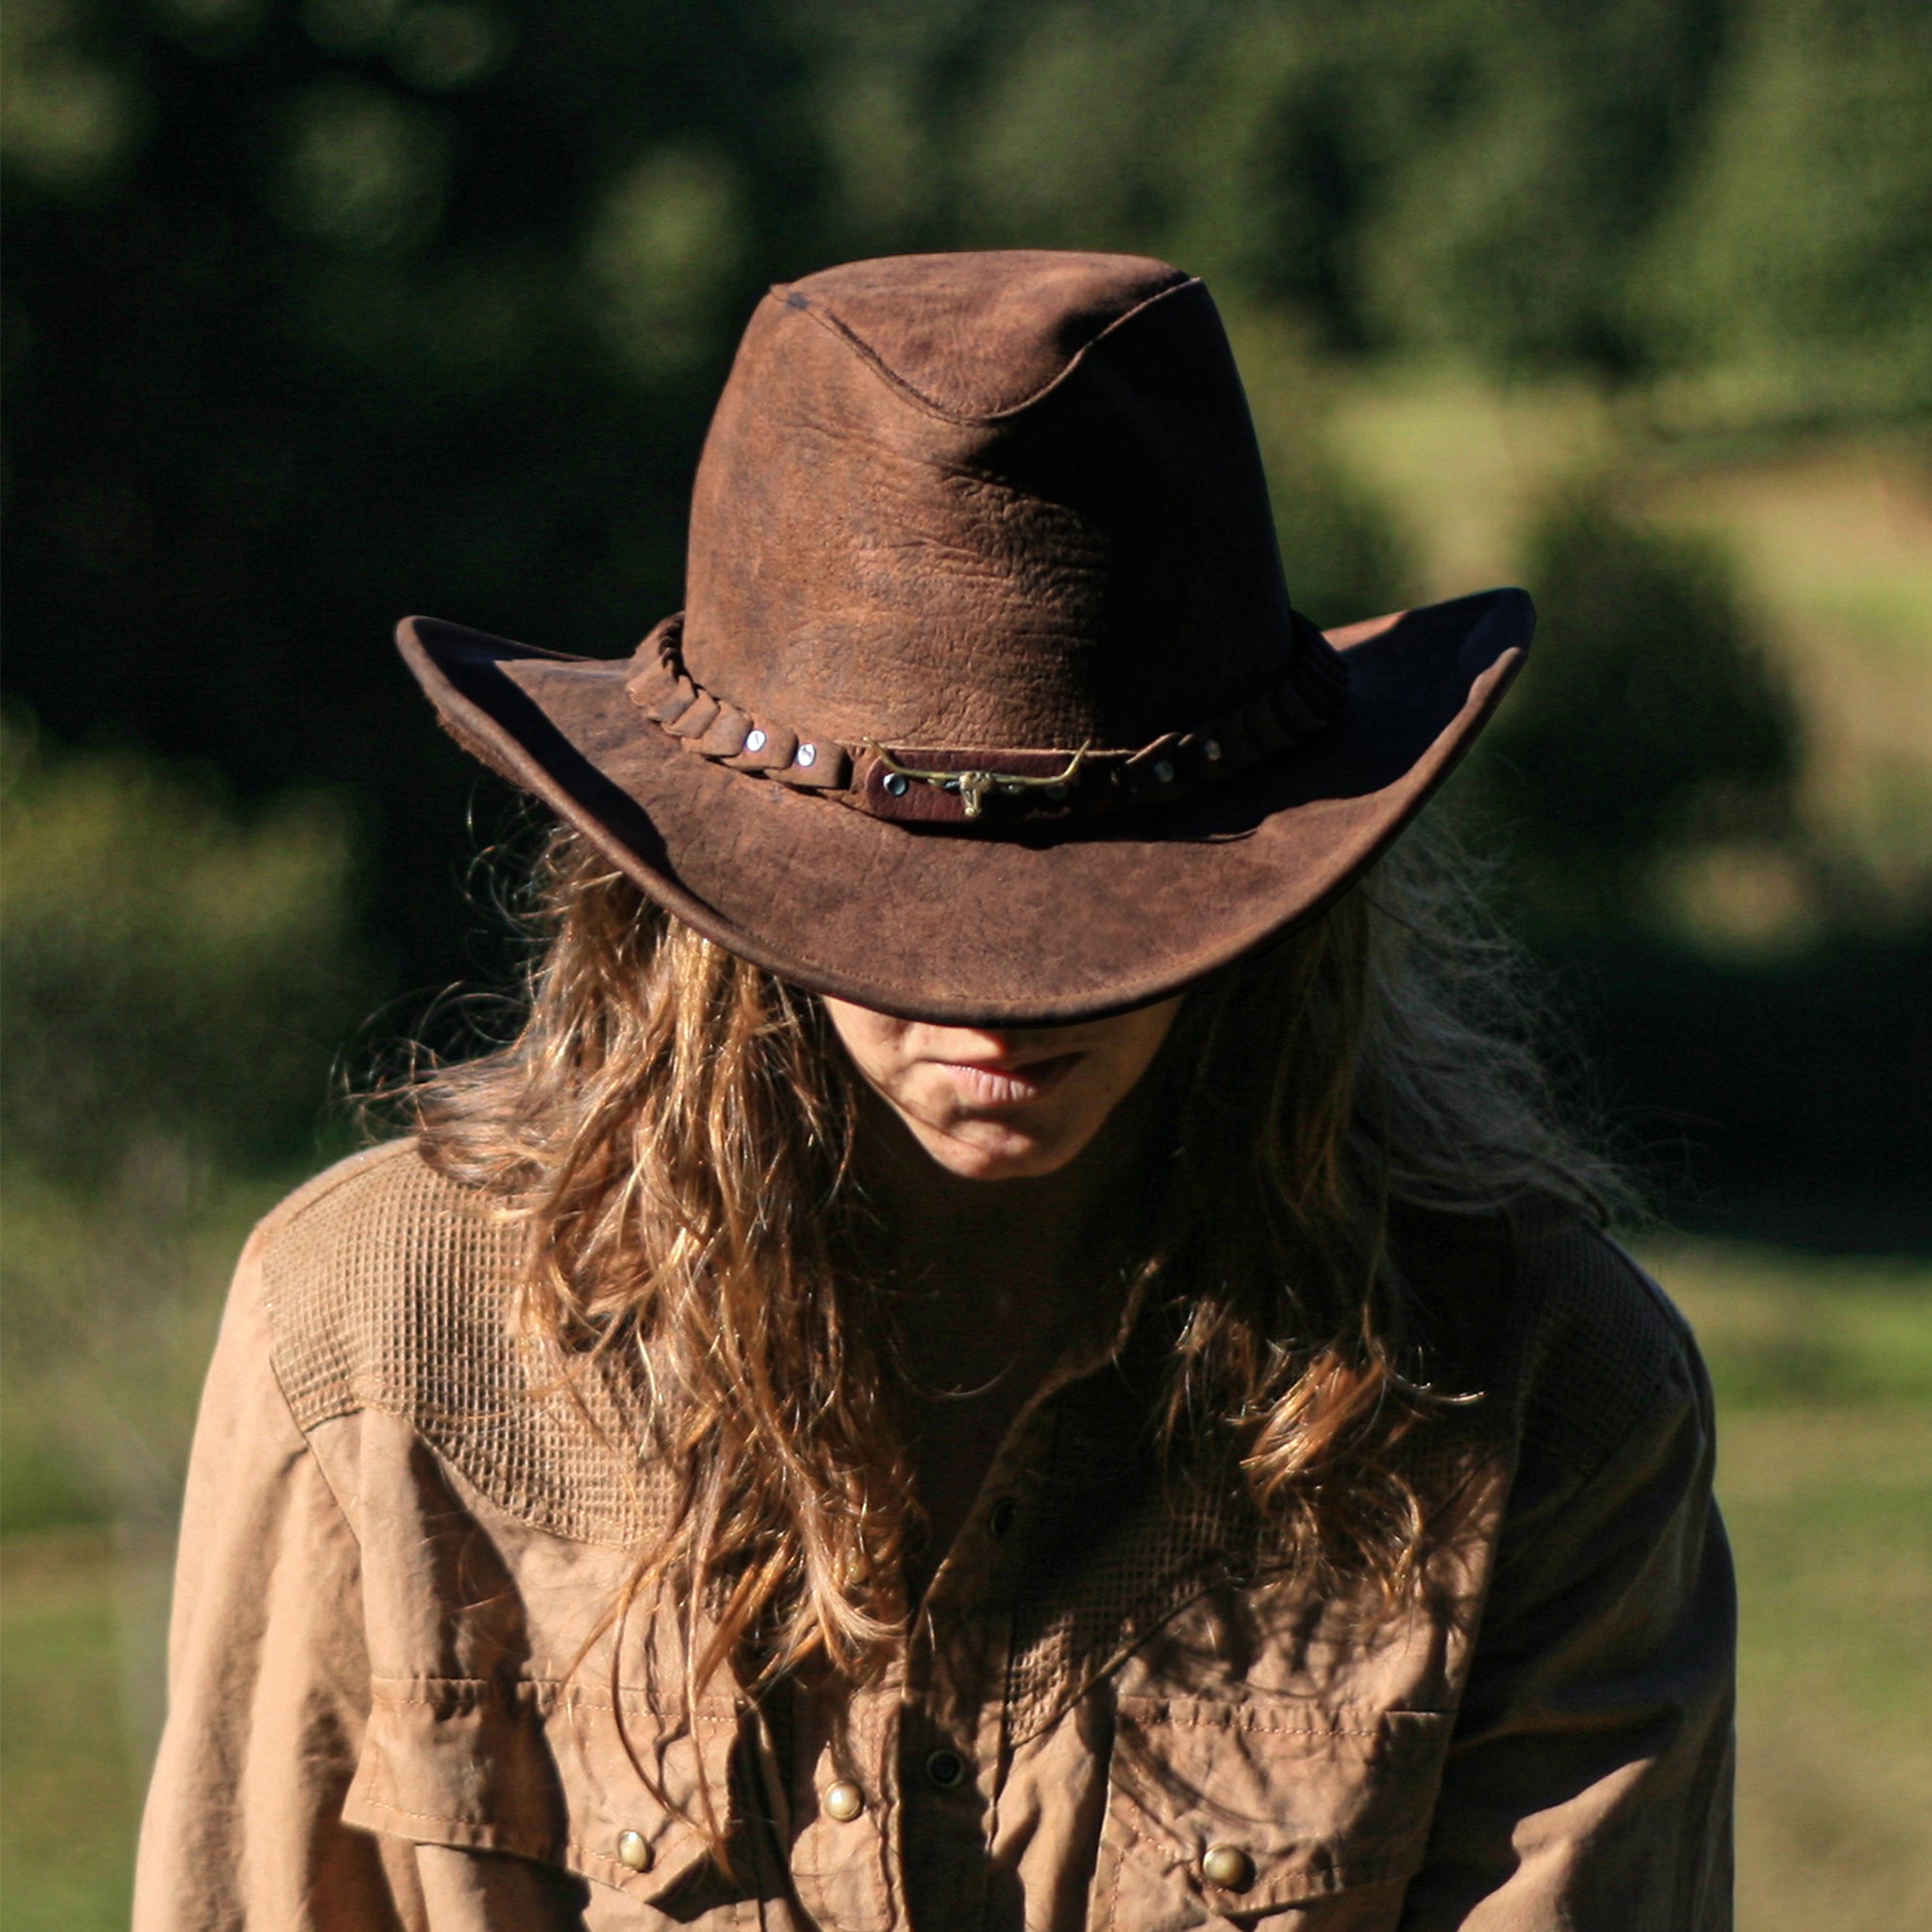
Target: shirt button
[[1001, 1518], [945, 1769], [632, 1851], [1228, 1867], [843, 1801]]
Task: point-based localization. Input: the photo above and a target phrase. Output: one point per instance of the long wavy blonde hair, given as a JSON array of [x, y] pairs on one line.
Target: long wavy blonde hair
[[675, 1127]]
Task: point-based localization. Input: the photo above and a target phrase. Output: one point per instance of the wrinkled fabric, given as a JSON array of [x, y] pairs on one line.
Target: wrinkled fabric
[[397, 1701]]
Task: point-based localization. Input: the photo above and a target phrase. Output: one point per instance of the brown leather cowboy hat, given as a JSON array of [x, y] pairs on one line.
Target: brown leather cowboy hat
[[988, 704]]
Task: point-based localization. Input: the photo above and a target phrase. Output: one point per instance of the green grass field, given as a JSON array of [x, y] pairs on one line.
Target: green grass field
[[1824, 1372]]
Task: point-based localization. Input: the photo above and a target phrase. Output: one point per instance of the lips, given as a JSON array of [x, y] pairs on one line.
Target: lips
[[1003, 1082]]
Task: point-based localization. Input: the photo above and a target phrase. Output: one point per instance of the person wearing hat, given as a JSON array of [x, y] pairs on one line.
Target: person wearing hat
[[1008, 1346]]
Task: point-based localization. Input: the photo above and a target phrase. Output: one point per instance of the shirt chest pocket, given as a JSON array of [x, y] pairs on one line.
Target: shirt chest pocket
[[1267, 1811], [545, 1773]]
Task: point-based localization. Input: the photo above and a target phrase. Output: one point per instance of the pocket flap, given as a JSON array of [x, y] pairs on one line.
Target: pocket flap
[[542, 1771], [1260, 1804]]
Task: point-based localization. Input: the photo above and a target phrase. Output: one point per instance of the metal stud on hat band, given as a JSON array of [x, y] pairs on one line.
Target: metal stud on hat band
[[949, 785]]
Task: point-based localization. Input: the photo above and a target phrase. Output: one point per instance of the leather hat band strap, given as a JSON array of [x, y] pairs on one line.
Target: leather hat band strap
[[957, 785]]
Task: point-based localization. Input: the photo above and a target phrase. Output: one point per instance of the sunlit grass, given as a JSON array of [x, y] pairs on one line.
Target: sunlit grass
[[67, 1822], [1824, 1373]]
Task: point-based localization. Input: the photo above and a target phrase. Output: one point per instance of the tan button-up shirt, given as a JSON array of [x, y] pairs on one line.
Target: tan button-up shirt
[[395, 1702]]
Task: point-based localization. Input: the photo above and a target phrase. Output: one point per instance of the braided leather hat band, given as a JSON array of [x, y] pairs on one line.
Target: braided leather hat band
[[989, 787]]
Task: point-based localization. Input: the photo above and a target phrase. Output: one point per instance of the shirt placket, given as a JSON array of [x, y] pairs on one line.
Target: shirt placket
[[952, 1742], [901, 1780]]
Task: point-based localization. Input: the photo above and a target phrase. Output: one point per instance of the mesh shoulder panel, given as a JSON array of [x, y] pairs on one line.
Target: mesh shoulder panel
[[388, 1288], [1602, 1343], [1121, 1544]]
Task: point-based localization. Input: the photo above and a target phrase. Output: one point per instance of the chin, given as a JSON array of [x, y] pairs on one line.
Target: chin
[[1019, 1161]]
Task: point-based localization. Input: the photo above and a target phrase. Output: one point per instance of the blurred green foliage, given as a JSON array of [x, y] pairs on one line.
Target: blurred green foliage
[[1791, 269], [178, 976], [1648, 720], [174, 970]]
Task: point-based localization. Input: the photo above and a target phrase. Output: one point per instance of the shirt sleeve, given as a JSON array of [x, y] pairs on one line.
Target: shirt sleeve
[[267, 1680], [1589, 1783]]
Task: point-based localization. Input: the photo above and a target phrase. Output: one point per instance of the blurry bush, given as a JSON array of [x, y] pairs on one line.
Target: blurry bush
[[1790, 276], [1649, 726], [1771, 1063], [176, 977], [172, 971], [1347, 555]]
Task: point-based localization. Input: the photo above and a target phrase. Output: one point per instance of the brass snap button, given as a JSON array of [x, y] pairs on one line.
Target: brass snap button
[[632, 1851], [945, 1769], [1001, 1518], [843, 1800], [1228, 1867]]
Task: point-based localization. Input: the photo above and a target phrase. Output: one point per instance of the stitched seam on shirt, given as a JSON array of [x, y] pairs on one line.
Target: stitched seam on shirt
[[1127, 1825], [572, 1855], [1220, 1724], [563, 1691], [1113, 1902], [1337, 1877], [305, 1430], [318, 1188], [384, 1296], [431, 1816], [518, 1844]]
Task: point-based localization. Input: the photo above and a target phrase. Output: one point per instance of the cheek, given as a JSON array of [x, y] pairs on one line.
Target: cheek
[[873, 1043], [1133, 1048], [1111, 1083]]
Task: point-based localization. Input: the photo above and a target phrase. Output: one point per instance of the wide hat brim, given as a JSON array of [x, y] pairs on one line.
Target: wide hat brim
[[1020, 928]]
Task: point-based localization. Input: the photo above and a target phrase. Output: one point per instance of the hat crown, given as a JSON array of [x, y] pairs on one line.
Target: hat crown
[[979, 336], [1003, 499]]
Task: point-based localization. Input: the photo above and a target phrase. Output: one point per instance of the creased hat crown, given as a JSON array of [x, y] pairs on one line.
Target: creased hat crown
[[1006, 499], [988, 705]]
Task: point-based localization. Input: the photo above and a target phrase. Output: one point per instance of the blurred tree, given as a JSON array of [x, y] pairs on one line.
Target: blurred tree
[[321, 313], [176, 974], [1346, 556], [1532, 149], [1793, 273], [1431, 171], [177, 977], [1647, 717]]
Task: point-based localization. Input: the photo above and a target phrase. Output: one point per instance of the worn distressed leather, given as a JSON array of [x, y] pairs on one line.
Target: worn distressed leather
[[980, 512], [392, 1704]]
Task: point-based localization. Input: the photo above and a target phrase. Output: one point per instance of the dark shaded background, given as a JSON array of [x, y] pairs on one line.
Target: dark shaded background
[[320, 313]]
